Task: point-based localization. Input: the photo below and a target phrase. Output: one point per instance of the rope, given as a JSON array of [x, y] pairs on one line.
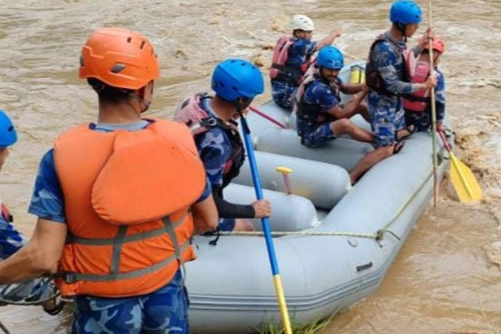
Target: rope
[[378, 235], [302, 233]]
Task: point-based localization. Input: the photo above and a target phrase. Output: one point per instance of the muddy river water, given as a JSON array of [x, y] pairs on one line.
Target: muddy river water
[[447, 278]]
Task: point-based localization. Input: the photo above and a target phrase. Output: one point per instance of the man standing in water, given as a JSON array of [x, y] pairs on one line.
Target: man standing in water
[[389, 69], [113, 201]]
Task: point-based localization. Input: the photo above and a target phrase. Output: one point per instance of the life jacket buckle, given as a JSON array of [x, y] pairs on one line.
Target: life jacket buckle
[[69, 278], [209, 122]]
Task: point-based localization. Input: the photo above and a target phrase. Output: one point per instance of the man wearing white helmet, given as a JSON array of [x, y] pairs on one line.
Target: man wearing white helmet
[[291, 58]]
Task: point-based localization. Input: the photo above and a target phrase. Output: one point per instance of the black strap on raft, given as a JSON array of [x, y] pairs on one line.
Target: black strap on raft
[[218, 234]]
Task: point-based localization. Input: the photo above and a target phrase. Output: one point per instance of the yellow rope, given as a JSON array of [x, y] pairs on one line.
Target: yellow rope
[[301, 233]]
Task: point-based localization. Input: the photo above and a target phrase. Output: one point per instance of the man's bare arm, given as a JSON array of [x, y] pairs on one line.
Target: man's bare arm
[[205, 216]]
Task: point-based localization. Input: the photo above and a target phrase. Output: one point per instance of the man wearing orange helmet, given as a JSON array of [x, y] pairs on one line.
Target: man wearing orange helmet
[[418, 105], [114, 201]]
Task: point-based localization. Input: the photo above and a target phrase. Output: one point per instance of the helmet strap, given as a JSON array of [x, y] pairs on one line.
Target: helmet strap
[[145, 104], [241, 104], [402, 27]]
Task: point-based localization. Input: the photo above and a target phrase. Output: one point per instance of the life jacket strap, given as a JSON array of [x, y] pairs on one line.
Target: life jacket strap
[[117, 242], [71, 239], [70, 277]]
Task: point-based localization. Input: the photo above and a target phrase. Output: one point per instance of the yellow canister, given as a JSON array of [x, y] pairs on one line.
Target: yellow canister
[[357, 74]]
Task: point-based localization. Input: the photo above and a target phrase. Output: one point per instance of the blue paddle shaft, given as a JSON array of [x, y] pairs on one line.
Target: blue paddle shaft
[[259, 194]]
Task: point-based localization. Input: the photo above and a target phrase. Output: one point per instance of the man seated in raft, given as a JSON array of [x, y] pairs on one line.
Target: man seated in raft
[[320, 116]]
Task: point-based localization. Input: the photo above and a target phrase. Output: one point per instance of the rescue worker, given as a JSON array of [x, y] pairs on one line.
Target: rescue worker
[[388, 72], [320, 117], [291, 59], [12, 240], [214, 121], [113, 201], [418, 105]]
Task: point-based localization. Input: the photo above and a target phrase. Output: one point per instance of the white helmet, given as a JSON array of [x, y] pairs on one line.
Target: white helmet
[[302, 22]]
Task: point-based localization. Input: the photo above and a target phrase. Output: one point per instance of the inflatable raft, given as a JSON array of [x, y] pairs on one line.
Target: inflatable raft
[[334, 243]]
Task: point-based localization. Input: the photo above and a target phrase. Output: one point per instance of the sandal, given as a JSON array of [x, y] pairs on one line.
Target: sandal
[[397, 147], [411, 129]]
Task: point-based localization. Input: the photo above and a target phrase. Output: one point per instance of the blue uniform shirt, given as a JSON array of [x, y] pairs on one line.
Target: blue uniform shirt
[[214, 148], [319, 94], [300, 51]]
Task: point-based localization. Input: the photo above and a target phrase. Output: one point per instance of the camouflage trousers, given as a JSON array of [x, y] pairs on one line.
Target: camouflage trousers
[[283, 94], [314, 135], [387, 117], [421, 120], [162, 311]]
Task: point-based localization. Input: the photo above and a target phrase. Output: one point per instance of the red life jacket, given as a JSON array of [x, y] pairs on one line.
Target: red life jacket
[[5, 213], [418, 101], [191, 113], [373, 77], [279, 70]]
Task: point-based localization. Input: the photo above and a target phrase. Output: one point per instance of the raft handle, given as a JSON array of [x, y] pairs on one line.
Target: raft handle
[[364, 266]]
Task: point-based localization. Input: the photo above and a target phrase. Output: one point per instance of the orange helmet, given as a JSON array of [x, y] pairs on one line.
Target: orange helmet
[[120, 58], [436, 44]]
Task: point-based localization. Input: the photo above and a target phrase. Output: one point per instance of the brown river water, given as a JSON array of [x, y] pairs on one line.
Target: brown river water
[[447, 278]]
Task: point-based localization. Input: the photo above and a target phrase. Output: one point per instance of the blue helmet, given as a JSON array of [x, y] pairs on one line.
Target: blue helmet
[[8, 135], [235, 78], [405, 12], [330, 57]]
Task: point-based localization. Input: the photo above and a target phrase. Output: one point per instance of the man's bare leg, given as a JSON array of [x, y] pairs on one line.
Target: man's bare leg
[[369, 160], [345, 126]]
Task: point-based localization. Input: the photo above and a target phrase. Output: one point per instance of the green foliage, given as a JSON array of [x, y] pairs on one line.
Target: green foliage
[[316, 327]]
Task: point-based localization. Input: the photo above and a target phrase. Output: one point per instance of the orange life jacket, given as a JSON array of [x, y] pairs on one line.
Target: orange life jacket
[[127, 196], [418, 101]]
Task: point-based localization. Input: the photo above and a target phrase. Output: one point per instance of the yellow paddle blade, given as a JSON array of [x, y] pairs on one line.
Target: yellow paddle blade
[[464, 182]]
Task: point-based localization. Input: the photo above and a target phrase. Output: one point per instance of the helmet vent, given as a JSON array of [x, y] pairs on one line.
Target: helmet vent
[[10, 129], [117, 68], [142, 45], [82, 63], [129, 39]]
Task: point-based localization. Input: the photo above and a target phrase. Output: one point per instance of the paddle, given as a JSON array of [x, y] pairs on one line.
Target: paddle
[[463, 180], [269, 118], [433, 115], [266, 228]]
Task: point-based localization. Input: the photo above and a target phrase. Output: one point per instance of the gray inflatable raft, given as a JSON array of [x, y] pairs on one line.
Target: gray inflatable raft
[[334, 242]]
